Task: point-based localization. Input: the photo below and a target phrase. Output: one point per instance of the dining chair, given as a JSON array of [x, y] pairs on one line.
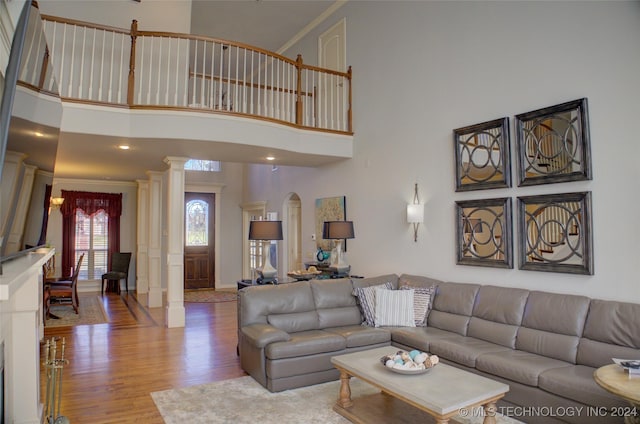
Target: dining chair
[[63, 291], [119, 270]]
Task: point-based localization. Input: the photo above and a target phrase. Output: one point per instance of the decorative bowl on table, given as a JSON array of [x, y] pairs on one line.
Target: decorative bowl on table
[[413, 362], [306, 274]]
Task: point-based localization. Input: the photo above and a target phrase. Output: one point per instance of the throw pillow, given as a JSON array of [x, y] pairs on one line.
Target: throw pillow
[[394, 308], [367, 300], [422, 302]]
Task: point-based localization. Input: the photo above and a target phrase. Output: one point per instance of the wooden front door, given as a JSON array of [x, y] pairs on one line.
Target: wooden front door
[[199, 262]]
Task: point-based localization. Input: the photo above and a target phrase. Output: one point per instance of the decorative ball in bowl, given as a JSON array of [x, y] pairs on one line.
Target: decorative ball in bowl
[[413, 362]]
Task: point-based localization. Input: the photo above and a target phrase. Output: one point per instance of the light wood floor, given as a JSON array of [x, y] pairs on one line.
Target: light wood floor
[[114, 367]]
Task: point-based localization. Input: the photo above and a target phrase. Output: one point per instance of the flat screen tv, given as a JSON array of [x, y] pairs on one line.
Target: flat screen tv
[[29, 128]]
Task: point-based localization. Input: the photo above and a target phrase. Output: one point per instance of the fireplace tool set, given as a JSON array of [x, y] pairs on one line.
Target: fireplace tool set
[[54, 366]]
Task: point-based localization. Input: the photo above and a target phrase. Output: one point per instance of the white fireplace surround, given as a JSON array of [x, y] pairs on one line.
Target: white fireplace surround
[[21, 330]]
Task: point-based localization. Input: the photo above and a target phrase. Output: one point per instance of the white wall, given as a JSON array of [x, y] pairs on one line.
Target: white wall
[[422, 69], [170, 15]]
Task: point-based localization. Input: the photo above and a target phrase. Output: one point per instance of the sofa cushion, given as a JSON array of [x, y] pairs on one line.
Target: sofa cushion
[[552, 345], [455, 298], [517, 365], [577, 383], [306, 343], [452, 307], [597, 354], [367, 301], [613, 322], [298, 321], [500, 304], [612, 330], [256, 303], [493, 332], [336, 317], [422, 297], [552, 325], [556, 313], [357, 335], [463, 350], [418, 337], [394, 308], [332, 293], [417, 281]]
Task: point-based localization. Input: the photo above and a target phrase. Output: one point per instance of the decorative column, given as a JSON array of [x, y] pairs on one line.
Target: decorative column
[[175, 315], [154, 225], [142, 252]]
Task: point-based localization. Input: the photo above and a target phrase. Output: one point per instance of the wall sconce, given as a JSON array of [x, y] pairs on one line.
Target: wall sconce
[[415, 213], [56, 202]]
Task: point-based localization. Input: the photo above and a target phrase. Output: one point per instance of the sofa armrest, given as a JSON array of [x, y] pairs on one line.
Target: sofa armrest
[[260, 335]]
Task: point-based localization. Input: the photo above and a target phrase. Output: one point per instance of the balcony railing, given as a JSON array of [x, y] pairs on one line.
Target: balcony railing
[[144, 69]]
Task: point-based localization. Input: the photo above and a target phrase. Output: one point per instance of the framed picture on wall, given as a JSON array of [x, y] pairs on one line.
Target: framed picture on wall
[[483, 232], [554, 144], [482, 156], [555, 233], [329, 209]]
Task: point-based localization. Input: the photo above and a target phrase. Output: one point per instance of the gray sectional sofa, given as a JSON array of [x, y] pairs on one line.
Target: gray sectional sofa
[[545, 346]]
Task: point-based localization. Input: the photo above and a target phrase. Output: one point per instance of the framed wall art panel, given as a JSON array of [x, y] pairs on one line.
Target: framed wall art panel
[[555, 233], [482, 156], [329, 209], [483, 231], [553, 144]]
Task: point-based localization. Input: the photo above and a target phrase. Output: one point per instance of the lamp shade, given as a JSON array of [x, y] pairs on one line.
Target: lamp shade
[[265, 230], [338, 230], [415, 213]]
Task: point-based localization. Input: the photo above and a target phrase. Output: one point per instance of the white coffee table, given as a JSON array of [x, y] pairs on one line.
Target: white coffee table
[[440, 393]]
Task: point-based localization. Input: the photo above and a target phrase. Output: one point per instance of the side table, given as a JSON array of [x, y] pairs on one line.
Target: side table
[[615, 380]]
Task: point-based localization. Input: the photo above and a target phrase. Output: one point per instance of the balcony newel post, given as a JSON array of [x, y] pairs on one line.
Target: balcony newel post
[[349, 112], [299, 90], [132, 63]]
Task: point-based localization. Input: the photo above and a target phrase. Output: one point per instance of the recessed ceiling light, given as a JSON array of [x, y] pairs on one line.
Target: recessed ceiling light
[[124, 146], [270, 158]]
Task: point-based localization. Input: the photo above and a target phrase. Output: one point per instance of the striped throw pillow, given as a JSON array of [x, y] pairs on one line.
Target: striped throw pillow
[[394, 308], [422, 301], [367, 300]]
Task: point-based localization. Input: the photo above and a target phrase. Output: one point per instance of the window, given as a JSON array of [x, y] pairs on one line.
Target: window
[[92, 239], [197, 223], [202, 165]]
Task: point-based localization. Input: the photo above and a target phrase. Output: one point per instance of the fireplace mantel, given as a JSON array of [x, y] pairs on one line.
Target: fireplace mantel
[[21, 329]]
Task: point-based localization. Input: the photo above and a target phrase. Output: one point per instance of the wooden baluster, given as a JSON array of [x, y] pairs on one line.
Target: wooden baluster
[[132, 63], [299, 108], [121, 68], [350, 112]]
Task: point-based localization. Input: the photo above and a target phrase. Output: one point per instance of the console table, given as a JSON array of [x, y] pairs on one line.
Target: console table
[[248, 283]]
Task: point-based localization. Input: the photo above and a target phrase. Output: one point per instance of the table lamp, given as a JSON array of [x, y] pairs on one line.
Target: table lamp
[[266, 231], [338, 231]]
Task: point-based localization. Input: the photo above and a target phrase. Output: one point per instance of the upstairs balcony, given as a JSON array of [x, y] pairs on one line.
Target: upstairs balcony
[[185, 95]]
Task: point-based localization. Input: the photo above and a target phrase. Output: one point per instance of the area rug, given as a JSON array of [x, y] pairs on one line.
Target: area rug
[[90, 311], [209, 296], [243, 400]]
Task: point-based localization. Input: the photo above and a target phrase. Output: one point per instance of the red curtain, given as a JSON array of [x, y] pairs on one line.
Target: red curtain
[[89, 203]]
